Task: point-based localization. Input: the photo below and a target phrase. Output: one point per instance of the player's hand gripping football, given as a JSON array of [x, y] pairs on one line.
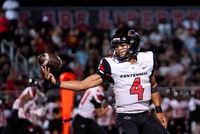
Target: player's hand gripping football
[[162, 118], [48, 75]]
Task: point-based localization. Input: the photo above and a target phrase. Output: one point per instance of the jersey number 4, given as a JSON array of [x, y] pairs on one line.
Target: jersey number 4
[[137, 88]]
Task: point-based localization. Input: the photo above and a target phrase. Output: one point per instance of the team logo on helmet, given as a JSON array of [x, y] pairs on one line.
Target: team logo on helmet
[[132, 33]]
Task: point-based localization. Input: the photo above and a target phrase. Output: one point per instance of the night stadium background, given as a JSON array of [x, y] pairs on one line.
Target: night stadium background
[[79, 32]]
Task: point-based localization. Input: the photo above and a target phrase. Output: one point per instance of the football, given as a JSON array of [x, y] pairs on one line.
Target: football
[[50, 60]]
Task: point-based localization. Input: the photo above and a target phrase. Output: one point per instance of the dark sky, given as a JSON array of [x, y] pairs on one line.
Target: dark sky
[[107, 2]]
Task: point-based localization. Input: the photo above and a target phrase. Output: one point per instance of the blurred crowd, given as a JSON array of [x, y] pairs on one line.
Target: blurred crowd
[[182, 109], [177, 51]]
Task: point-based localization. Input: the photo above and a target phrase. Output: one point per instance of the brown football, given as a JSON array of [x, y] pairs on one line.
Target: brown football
[[50, 60]]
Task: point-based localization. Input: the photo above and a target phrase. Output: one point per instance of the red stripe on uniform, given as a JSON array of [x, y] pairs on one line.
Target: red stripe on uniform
[[85, 97], [33, 90], [102, 67], [100, 98]]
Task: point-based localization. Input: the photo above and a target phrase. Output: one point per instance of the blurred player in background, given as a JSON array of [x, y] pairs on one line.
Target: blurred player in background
[[108, 122], [23, 119], [132, 74], [196, 123], [89, 108], [178, 112]]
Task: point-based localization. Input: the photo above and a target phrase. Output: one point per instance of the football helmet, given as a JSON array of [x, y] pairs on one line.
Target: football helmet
[[129, 36], [34, 82]]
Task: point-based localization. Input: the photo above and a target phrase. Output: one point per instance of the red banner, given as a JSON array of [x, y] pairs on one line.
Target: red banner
[[106, 18], [65, 19]]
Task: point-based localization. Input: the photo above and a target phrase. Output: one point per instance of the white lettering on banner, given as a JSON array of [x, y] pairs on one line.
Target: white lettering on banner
[[65, 19], [104, 19], [177, 17]]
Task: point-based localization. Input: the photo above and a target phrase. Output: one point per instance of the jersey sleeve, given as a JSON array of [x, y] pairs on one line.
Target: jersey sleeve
[[104, 71], [154, 64]]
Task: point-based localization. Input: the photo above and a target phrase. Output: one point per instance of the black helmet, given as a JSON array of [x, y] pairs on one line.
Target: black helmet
[[34, 82], [129, 36]]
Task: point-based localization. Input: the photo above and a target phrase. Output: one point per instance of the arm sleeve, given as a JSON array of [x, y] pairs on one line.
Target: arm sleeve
[[155, 89], [155, 64], [104, 71]]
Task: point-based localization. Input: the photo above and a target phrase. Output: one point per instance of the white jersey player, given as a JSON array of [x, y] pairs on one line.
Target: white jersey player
[[29, 93], [91, 100], [108, 121], [136, 86], [133, 80], [26, 105], [89, 107], [24, 111]]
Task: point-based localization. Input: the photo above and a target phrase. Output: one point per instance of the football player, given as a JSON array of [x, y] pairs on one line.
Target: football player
[[132, 74], [23, 117], [90, 107]]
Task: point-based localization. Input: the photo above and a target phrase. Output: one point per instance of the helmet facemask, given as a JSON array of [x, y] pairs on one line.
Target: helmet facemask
[[37, 83], [116, 53], [130, 37]]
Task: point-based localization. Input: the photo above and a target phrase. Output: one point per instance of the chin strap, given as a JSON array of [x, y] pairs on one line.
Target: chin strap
[[121, 59]]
